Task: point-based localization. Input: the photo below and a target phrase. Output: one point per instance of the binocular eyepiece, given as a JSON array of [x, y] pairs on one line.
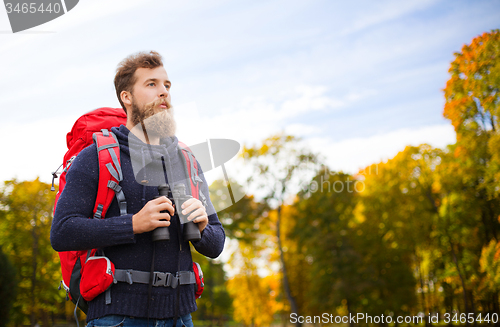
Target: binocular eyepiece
[[191, 232]]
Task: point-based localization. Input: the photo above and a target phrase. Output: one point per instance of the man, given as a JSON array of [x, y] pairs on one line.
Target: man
[[149, 156]]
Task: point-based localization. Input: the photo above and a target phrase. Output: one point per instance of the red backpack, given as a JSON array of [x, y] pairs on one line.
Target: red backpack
[[86, 275]]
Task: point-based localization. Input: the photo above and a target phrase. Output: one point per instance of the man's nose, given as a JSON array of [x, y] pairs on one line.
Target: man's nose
[[163, 92]]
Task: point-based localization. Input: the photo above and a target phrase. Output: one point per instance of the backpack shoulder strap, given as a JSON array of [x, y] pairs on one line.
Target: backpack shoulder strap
[[192, 172], [110, 174]]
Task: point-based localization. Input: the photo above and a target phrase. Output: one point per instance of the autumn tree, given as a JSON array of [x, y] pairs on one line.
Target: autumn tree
[[255, 298], [244, 220], [473, 106], [280, 164], [26, 216], [397, 211], [490, 264], [328, 269]]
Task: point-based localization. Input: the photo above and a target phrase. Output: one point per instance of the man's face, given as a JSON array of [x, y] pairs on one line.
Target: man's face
[[151, 104], [151, 85]]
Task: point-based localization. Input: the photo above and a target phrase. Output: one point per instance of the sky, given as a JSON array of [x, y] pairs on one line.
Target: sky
[[357, 80]]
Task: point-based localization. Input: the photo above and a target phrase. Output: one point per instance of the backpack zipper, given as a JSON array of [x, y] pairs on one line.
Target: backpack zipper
[[108, 264]]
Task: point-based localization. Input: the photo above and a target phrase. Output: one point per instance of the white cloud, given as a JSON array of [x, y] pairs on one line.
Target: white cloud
[[310, 99], [256, 118], [302, 130], [36, 149], [357, 153]]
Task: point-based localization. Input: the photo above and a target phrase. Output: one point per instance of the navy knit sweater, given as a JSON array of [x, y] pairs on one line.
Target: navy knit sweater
[[73, 230]]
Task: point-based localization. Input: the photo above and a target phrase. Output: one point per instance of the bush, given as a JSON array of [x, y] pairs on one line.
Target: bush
[[8, 288]]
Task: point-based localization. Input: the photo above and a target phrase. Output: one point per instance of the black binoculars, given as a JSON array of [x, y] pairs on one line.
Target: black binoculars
[[191, 232]]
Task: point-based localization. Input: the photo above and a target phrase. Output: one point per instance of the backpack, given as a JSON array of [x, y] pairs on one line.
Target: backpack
[[87, 274]]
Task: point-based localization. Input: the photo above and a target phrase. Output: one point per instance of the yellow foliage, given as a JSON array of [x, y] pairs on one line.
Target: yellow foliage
[[254, 298], [490, 264]]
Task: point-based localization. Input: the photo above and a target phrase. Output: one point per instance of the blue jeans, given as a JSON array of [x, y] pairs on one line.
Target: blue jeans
[[116, 320]]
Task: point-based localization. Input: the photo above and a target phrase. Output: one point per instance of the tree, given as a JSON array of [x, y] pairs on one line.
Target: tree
[[26, 211], [280, 165], [215, 302], [243, 221], [397, 210], [473, 105], [258, 309], [254, 298], [8, 288], [327, 269]]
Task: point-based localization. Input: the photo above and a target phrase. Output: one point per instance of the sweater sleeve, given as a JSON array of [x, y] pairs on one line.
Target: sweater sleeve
[[213, 236], [72, 230]]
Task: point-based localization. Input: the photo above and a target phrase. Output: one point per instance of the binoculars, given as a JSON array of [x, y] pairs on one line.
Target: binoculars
[[191, 232]]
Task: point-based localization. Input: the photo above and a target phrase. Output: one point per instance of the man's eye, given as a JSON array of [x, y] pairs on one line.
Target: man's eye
[[167, 86], [151, 84]]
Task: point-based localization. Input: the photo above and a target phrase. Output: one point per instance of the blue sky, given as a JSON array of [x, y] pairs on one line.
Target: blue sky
[[357, 80]]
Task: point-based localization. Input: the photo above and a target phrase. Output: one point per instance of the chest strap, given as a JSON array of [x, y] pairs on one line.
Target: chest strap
[[159, 278]]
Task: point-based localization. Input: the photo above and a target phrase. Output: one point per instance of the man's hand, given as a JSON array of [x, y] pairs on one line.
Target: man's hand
[[150, 217], [198, 212]]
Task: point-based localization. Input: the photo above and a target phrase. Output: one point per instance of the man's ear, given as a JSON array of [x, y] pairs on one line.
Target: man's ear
[[126, 98]]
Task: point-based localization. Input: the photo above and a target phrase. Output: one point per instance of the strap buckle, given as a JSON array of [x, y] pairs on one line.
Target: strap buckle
[[162, 279]]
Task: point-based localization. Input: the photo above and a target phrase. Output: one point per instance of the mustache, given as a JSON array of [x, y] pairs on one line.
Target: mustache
[[152, 105]]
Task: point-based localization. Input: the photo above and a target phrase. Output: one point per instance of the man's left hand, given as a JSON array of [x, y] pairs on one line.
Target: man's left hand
[[198, 212]]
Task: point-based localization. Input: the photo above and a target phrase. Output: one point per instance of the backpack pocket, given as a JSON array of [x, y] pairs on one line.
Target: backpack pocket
[[97, 277], [200, 284]]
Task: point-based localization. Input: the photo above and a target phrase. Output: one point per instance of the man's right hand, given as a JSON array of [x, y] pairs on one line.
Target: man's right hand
[[150, 217]]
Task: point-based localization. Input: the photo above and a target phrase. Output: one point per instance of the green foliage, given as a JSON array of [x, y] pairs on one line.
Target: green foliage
[[244, 220], [355, 262], [397, 211], [26, 210], [215, 302], [8, 288], [332, 273]]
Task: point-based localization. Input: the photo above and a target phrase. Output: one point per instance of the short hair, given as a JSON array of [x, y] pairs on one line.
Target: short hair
[[125, 72]]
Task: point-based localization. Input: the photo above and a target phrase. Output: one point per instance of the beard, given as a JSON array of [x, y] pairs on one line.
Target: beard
[[155, 122]]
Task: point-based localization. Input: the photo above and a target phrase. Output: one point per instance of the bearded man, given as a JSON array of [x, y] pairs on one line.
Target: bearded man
[[150, 156]]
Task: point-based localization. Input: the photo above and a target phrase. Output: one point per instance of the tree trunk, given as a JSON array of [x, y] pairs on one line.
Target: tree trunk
[[283, 320], [425, 307], [462, 280], [351, 323], [286, 286], [496, 306], [473, 307], [34, 267], [210, 286], [449, 297]]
